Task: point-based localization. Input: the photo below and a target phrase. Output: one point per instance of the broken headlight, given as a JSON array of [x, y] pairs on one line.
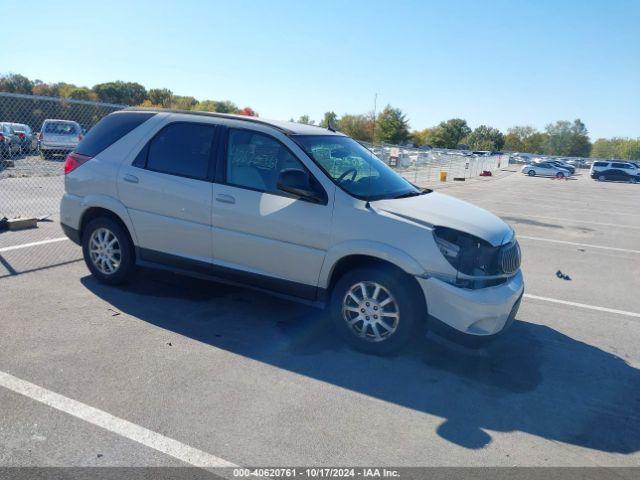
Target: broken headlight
[[475, 259]]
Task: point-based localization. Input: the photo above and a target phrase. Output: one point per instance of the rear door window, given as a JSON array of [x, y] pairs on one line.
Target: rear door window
[[600, 164], [109, 130], [619, 165], [183, 149]]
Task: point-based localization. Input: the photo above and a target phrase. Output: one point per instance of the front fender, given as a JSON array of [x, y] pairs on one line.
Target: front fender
[[369, 248]]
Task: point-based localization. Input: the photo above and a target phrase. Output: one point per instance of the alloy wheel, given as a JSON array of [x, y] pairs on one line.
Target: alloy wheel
[[104, 251], [370, 311]]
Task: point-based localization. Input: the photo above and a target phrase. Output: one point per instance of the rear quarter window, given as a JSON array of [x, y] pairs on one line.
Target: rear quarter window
[[109, 130]]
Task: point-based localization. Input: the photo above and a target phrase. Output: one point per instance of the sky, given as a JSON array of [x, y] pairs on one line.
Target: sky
[[499, 63]]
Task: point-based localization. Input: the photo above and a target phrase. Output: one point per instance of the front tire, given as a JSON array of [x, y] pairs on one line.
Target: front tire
[[602, 178], [108, 251], [375, 310], [559, 175], [531, 173]]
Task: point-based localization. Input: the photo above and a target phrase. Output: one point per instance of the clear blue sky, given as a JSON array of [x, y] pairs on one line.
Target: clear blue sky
[[499, 63]]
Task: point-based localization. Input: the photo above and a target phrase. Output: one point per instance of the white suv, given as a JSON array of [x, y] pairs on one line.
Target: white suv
[[296, 210]]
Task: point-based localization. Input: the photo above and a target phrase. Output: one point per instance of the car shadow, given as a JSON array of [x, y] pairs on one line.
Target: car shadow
[[534, 379]]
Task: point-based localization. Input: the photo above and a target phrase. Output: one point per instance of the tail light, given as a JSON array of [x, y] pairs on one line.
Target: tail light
[[1, 137], [80, 137], [73, 161], [21, 135], [39, 135]]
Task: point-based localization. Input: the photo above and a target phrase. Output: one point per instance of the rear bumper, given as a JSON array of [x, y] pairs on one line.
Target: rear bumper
[[478, 313], [58, 147]]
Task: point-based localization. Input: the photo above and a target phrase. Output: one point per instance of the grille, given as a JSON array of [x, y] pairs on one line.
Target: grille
[[509, 257]]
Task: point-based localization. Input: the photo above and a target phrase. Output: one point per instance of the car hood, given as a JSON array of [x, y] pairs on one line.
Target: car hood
[[436, 209]]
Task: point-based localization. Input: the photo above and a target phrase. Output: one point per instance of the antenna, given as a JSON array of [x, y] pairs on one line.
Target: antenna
[[330, 126]]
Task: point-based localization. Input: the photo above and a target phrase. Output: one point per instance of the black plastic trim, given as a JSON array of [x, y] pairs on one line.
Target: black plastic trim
[[238, 277], [71, 233]]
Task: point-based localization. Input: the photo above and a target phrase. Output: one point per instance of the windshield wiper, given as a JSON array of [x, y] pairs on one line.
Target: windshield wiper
[[413, 194]]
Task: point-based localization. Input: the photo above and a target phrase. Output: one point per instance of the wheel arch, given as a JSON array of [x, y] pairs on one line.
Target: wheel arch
[[354, 260], [94, 212]]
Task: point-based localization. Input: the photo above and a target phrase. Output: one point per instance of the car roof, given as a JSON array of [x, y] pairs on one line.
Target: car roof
[[289, 128]]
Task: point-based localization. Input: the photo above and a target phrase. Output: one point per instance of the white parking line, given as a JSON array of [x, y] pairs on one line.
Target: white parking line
[[568, 220], [583, 305], [33, 244], [113, 424], [589, 245]]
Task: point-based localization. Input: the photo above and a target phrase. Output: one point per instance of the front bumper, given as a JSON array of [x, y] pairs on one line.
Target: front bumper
[[481, 313]]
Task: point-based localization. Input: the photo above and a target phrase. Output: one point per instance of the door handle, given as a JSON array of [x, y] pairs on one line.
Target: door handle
[[224, 198], [130, 178]]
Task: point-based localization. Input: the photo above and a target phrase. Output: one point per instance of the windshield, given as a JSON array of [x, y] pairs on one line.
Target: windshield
[[354, 168]]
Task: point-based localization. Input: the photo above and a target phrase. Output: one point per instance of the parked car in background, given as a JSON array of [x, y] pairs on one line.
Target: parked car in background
[[335, 226], [564, 165], [545, 169], [28, 141], [615, 171], [58, 137], [9, 141]]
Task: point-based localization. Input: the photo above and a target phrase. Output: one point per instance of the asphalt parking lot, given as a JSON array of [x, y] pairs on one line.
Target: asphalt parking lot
[[175, 371]]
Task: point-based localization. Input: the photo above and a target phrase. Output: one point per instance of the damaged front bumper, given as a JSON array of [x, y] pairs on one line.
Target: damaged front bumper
[[481, 312]]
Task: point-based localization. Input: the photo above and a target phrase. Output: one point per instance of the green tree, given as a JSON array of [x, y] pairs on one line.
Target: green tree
[[306, 120], [124, 93], [420, 137], [630, 149], [161, 97], [392, 126], [330, 118], [568, 139], [620, 148], [183, 103], [82, 93], [448, 134], [516, 138], [485, 138], [16, 83], [359, 127]]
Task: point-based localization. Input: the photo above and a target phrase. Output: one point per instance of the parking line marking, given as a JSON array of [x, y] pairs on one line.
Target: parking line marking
[[583, 305], [105, 420], [33, 244], [568, 220], [589, 245]]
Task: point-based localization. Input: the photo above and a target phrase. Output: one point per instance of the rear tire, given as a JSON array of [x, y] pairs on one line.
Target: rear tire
[[602, 178], [531, 173], [559, 175], [108, 251], [381, 319], [633, 180]]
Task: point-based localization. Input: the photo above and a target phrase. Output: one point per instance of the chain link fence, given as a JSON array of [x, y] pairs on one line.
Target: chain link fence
[[36, 133]]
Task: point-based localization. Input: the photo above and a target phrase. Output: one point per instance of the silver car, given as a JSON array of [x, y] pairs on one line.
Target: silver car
[[59, 137], [545, 169], [297, 210]]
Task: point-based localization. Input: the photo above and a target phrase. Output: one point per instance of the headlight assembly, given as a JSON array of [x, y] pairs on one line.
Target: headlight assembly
[[476, 261]]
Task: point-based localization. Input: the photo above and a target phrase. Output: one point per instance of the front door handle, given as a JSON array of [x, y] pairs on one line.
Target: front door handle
[[130, 178], [224, 198]]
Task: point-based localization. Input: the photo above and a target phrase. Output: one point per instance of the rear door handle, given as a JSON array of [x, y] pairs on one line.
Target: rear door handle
[[130, 178], [224, 198]]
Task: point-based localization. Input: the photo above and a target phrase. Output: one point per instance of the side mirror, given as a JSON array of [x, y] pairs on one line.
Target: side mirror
[[297, 182]]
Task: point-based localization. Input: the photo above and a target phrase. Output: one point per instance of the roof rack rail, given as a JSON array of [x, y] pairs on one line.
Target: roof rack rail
[[230, 116]]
